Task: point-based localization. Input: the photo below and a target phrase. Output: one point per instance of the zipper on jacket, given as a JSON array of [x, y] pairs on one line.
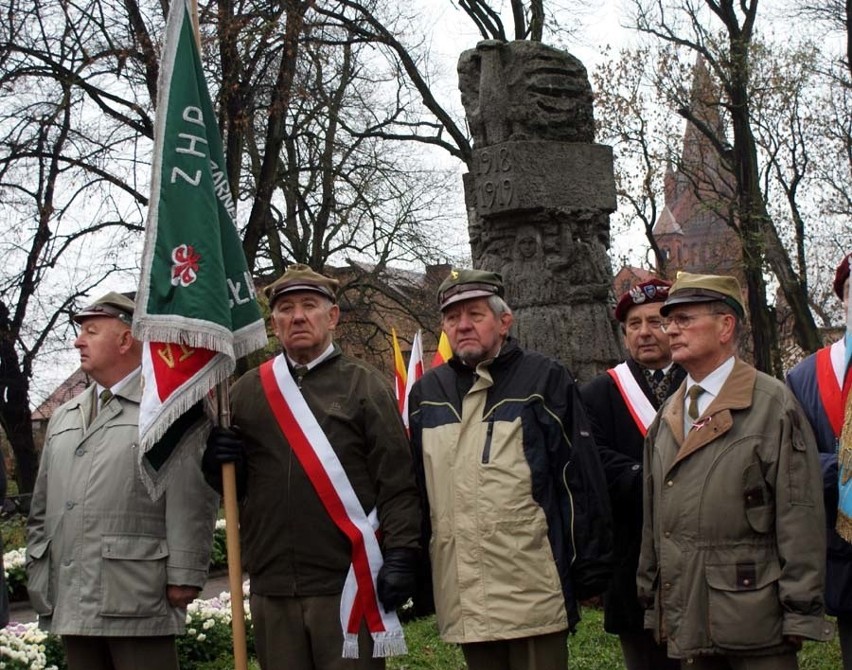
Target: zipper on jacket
[[486, 451]]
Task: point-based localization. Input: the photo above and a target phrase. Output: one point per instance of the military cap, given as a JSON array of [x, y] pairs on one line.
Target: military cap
[[653, 290], [112, 304], [466, 284], [691, 288], [300, 277], [841, 275]]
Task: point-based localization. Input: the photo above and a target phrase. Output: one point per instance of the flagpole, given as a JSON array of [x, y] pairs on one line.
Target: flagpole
[[232, 539], [229, 498]]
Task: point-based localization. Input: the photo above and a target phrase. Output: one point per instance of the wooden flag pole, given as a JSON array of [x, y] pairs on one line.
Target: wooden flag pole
[[229, 495], [232, 540]]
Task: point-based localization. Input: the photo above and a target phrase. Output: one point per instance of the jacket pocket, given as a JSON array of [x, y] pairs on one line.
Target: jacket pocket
[[757, 500], [744, 610], [133, 576], [38, 578]]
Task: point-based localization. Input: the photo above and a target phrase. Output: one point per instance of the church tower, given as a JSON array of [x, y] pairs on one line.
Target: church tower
[[693, 230]]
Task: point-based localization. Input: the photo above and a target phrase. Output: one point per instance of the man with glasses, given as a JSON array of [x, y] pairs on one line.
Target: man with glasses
[[621, 403], [731, 569], [818, 384]]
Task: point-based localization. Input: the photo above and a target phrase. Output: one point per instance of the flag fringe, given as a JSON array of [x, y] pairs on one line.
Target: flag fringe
[[157, 481], [218, 370], [199, 334], [844, 526]]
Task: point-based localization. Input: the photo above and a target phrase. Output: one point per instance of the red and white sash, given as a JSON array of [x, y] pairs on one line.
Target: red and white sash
[[312, 448], [640, 408], [830, 364]]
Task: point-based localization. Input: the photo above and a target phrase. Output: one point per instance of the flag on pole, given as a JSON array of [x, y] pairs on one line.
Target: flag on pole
[[399, 374], [444, 352], [415, 372], [196, 311]]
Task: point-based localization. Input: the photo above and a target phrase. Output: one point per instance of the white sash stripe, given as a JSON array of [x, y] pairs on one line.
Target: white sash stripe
[[838, 360], [634, 397]]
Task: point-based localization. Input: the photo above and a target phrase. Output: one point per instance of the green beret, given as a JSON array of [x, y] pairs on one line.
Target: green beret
[[300, 277], [112, 304], [691, 288], [467, 284]]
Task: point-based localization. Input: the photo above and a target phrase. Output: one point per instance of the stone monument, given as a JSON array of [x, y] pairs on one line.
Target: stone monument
[[539, 194]]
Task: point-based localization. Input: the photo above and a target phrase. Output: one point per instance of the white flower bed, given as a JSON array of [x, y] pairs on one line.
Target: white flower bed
[[22, 647]]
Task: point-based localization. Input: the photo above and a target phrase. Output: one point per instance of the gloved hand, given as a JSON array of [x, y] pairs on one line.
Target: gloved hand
[[397, 579], [224, 445]]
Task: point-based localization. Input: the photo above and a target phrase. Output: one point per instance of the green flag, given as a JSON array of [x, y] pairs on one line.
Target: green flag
[[196, 310]]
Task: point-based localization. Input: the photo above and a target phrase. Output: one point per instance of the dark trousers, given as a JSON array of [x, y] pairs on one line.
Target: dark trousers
[[844, 632], [786, 661], [87, 652], [541, 652], [305, 634], [641, 652]]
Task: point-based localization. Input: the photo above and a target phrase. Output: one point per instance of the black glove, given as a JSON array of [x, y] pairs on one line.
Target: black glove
[[397, 580], [224, 445]]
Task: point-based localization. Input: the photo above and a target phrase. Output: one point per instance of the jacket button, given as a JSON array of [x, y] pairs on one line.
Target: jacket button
[[746, 582], [79, 451], [667, 534], [667, 585], [670, 483], [69, 504]]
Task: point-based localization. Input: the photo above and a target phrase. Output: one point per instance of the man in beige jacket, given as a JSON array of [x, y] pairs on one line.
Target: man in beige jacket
[[110, 570]]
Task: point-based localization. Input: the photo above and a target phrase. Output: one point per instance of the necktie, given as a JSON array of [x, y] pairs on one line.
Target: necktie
[[659, 384], [693, 393], [299, 371], [106, 396]]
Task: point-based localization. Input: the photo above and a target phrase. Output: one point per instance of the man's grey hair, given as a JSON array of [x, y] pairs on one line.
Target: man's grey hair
[[498, 306], [739, 327]]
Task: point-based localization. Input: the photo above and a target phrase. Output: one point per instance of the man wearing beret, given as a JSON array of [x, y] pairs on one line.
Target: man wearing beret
[[731, 570], [622, 403], [330, 515], [108, 569], [818, 384], [513, 485]]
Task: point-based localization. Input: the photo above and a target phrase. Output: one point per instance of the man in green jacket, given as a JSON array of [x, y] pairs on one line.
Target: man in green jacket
[[732, 563], [323, 463]]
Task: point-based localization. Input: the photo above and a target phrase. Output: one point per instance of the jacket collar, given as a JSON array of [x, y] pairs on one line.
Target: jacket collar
[[736, 394], [508, 352]]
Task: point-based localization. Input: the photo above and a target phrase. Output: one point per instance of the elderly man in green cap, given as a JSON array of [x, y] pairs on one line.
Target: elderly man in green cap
[[513, 484], [732, 562], [330, 517], [110, 570]]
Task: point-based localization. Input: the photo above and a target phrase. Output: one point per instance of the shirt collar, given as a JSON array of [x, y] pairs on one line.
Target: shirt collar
[[714, 382], [319, 359], [115, 388]]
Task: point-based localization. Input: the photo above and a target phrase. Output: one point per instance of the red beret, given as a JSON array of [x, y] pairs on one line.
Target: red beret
[[842, 275], [653, 290]]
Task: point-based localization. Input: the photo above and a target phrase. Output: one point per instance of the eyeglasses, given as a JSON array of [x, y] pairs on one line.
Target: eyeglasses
[[683, 321]]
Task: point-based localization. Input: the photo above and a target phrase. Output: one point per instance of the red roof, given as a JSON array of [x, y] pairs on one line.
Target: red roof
[[74, 385]]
